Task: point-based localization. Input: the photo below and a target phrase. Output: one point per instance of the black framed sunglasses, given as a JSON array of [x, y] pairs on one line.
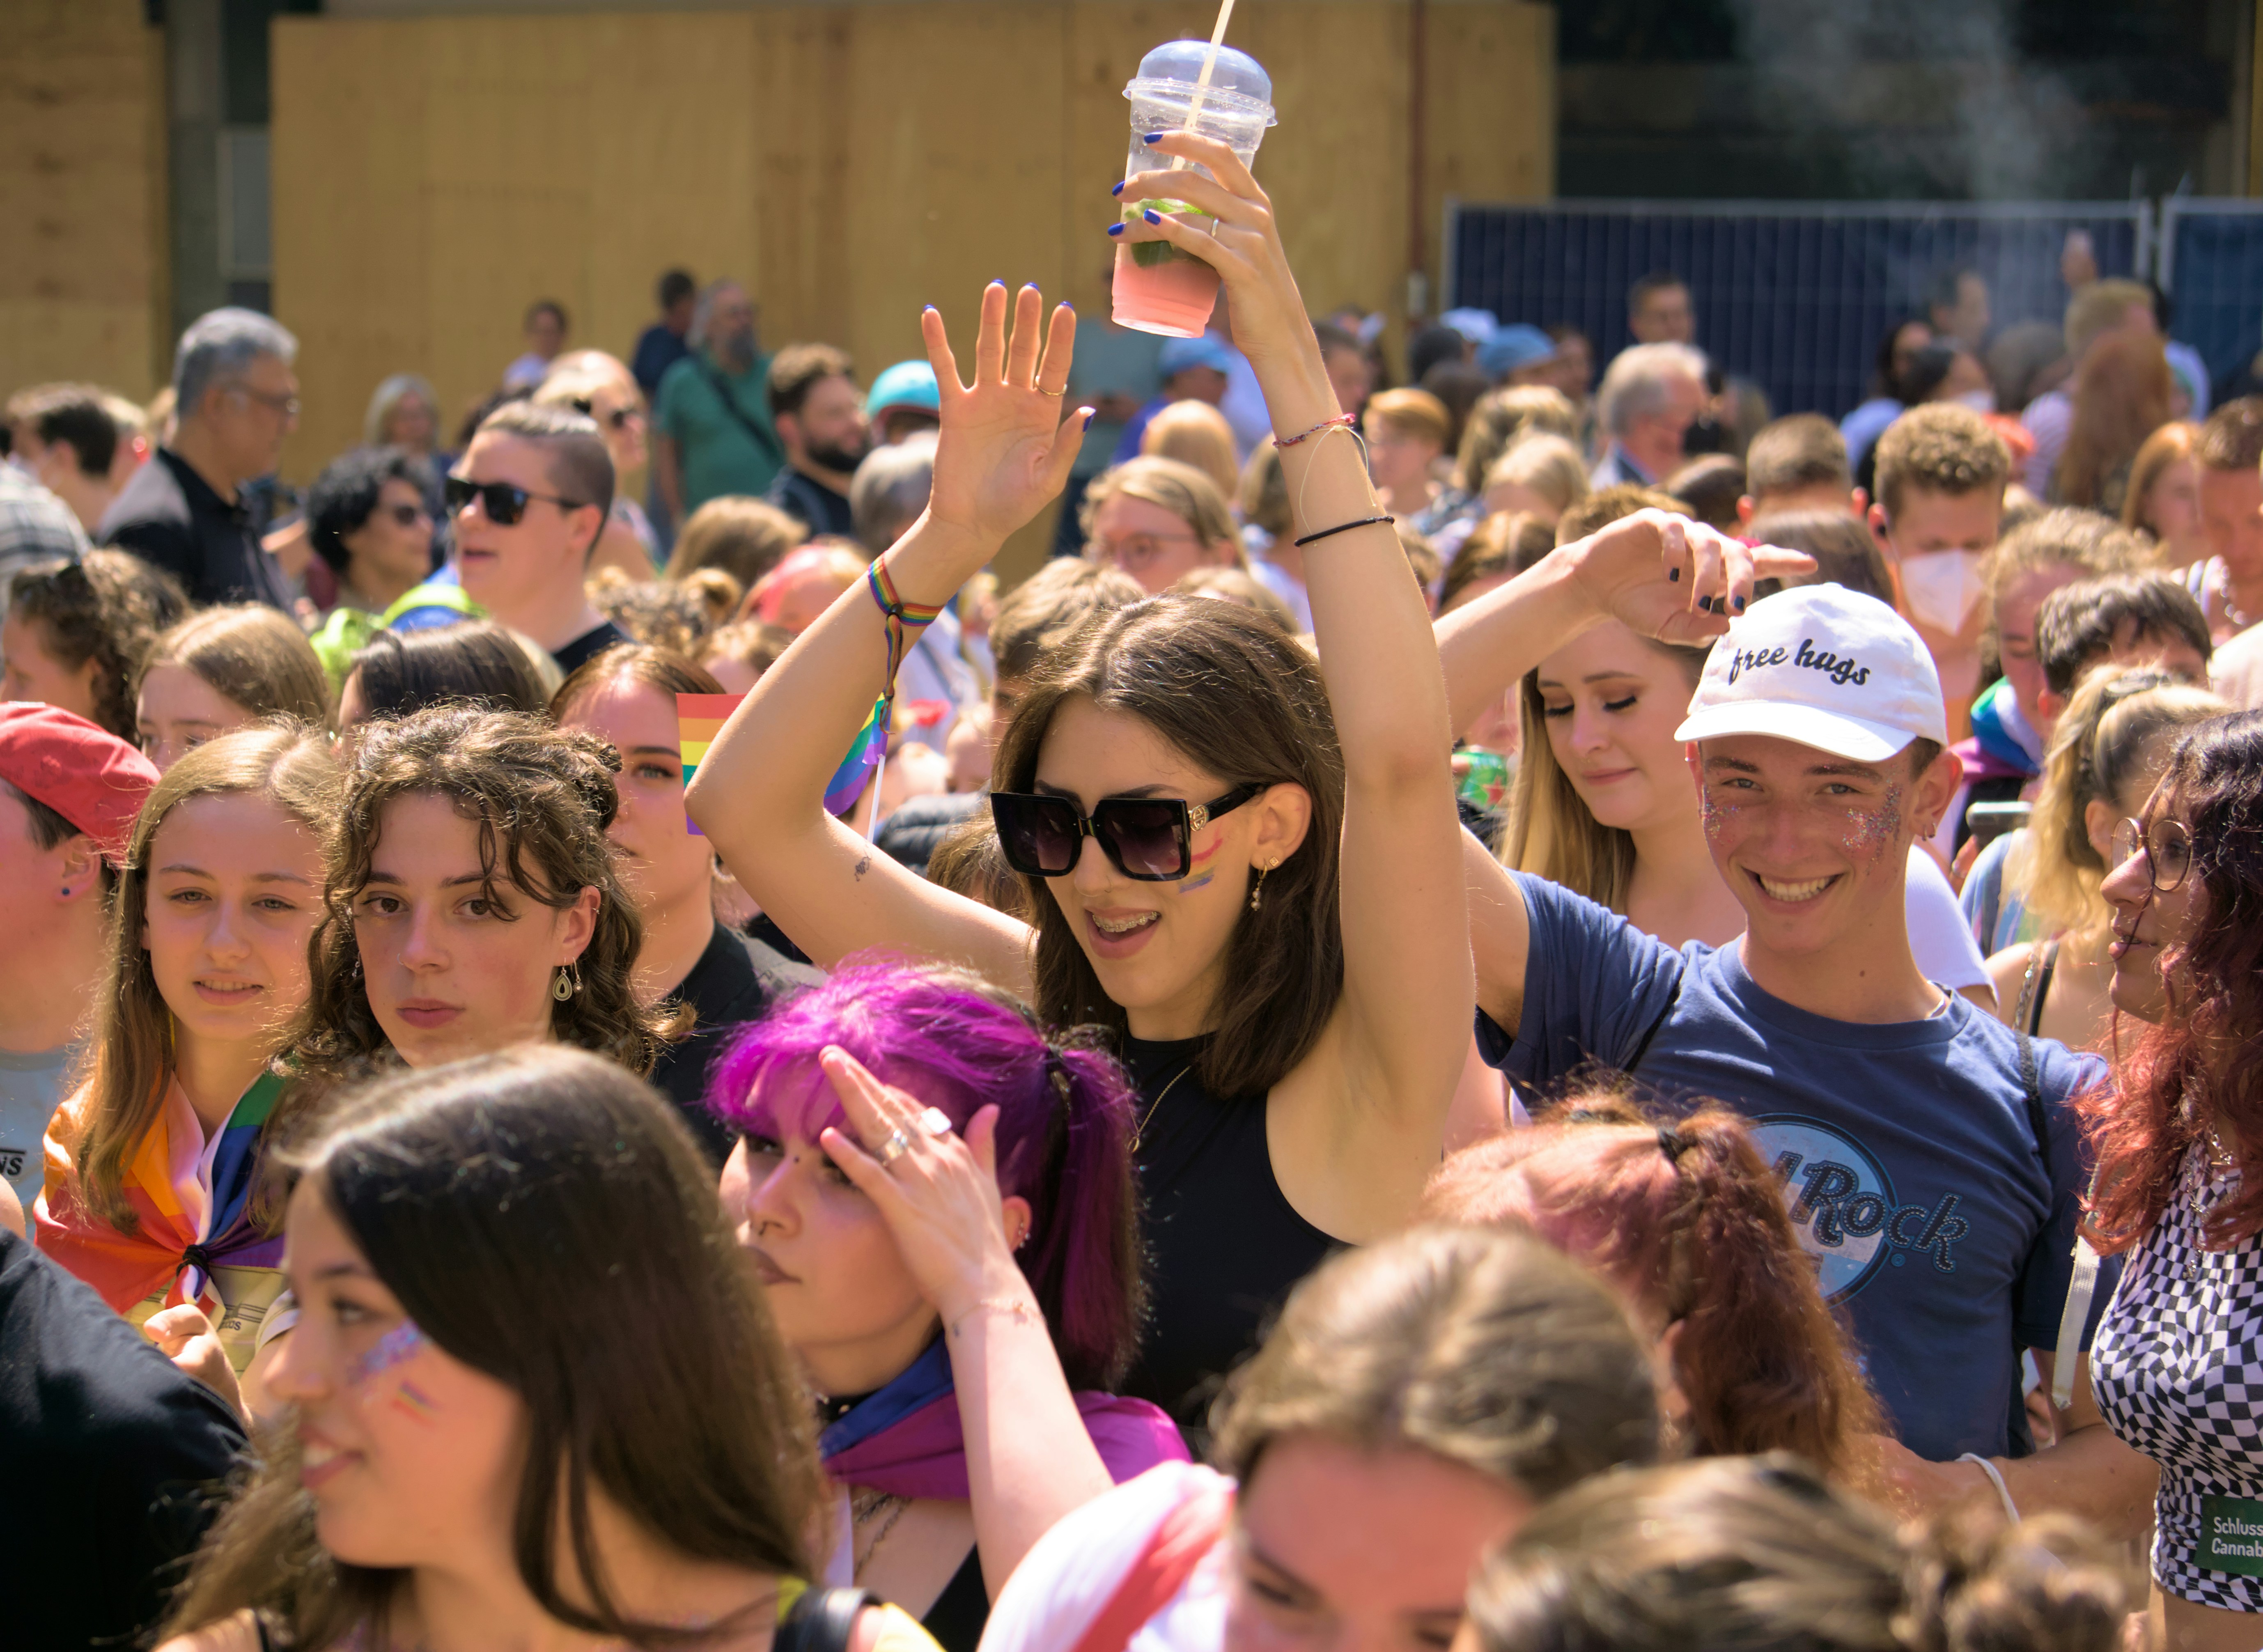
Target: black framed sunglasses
[[503, 503], [2168, 851], [617, 419], [1149, 838]]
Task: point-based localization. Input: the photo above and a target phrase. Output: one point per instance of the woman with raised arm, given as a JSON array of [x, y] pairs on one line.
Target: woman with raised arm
[[937, 1200], [1258, 917]]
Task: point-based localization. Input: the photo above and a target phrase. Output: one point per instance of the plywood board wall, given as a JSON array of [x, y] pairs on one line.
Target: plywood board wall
[[82, 208], [851, 163]]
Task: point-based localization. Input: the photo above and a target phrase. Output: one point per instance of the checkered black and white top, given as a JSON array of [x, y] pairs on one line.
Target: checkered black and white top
[[2178, 1369]]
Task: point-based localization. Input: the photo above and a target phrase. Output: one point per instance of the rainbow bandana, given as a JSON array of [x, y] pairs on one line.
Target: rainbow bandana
[[906, 1440], [195, 1240]]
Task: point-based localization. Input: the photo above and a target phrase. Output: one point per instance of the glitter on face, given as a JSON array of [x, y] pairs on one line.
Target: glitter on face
[[1871, 831], [398, 1345], [1716, 818]]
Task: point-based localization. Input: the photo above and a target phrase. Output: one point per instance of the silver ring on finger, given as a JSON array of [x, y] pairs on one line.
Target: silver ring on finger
[[895, 1148], [934, 1121]]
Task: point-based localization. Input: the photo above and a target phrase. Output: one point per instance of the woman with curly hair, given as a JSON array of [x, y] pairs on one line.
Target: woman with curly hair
[[74, 634], [2178, 1140], [1689, 1221], [470, 901]]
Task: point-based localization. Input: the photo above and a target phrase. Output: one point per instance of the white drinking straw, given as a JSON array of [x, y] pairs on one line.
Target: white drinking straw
[[1202, 80]]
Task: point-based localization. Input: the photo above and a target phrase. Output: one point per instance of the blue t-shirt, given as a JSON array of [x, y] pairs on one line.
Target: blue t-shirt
[[1910, 1163]]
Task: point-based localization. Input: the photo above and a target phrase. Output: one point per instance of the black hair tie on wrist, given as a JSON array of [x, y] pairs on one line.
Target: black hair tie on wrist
[[1342, 527]]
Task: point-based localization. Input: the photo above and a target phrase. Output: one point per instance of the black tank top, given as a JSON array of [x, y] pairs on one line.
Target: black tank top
[[1224, 1242]]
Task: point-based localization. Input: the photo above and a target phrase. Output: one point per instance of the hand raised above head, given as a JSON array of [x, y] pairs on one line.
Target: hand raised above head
[[1672, 578], [1005, 448], [1243, 245]]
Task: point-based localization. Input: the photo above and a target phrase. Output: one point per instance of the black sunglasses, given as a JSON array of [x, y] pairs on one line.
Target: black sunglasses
[[1149, 838], [618, 418], [503, 503]]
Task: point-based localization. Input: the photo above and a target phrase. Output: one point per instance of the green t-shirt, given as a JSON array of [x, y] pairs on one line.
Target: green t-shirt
[[718, 454]]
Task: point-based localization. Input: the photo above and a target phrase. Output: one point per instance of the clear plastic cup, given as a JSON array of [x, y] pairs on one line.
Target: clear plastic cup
[[1157, 287]]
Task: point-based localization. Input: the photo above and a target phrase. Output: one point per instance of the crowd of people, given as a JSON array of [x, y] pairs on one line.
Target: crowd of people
[[1646, 1051]]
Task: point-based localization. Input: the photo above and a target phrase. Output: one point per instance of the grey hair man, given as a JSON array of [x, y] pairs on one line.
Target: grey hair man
[[236, 399], [711, 431], [1650, 396]]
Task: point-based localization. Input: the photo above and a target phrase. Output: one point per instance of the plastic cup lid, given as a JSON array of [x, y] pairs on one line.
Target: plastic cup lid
[[1181, 61]]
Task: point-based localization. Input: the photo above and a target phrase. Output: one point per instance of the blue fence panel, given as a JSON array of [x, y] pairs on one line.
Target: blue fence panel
[[1794, 298], [2212, 266]]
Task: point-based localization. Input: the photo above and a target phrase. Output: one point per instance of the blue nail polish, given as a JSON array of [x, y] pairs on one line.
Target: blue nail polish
[[1673, 575], [1118, 190], [1705, 604], [1152, 137], [1739, 604], [1087, 421], [1152, 216], [1066, 305], [1116, 229]]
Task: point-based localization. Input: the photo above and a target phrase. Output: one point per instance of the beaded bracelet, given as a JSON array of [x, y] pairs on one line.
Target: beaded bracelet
[[1344, 419]]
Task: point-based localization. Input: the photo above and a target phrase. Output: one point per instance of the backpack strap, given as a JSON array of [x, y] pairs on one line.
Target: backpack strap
[[2082, 1285], [762, 438], [1176, 1546], [2032, 1081], [822, 1621]]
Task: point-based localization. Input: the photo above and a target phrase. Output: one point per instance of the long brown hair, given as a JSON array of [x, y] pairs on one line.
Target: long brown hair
[[544, 1218], [2175, 443], [2120, 397], [2203, 1059], [1239, 699], [543, 798], [1742, 1554], [1488, 1349], [1689, 1218], [129, 1058], [248, 653]]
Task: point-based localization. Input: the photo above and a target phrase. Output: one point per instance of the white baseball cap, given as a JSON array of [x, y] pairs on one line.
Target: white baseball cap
[[1825, 667]]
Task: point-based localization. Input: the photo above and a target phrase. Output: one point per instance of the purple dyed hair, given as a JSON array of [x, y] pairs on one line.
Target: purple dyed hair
[[1065, 1115]]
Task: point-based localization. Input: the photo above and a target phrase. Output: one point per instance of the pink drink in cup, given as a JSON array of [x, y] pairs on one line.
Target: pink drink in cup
[[1158, 288]]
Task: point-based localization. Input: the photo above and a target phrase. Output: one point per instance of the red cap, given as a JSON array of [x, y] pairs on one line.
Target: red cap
[[88, 775]]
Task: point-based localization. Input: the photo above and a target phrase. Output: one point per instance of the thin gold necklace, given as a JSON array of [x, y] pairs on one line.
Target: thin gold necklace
[[1140, 1134]]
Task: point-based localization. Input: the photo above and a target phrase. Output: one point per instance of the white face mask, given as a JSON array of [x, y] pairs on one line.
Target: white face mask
[[1942, 589], [1978, 401]]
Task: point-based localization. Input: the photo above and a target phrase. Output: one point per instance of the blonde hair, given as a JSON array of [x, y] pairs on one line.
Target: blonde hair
[[1197, 434], [1411, 413], [1170, 485], [1263, 497], [1942, 448], [1550, 830], [2098, 748], [1549, 465]]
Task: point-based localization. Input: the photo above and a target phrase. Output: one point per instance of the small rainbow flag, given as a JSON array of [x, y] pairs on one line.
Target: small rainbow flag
[[699, 719]]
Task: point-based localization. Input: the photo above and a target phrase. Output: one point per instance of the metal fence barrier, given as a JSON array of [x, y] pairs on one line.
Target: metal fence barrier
[[2211, 267], [1794, 296]]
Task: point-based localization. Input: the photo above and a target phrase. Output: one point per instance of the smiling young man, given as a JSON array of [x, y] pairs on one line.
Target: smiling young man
[[530, 498], [1933, 1184]]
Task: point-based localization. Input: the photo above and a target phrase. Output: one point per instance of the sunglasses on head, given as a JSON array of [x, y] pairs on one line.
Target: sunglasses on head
[[503, 503], [1149, 838]]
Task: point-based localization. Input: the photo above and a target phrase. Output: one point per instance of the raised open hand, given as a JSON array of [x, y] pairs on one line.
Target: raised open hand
[[1671, 578], [1005, 449]]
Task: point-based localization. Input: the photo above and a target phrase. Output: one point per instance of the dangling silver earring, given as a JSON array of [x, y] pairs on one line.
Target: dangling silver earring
[[1258, 888], [566, 982]]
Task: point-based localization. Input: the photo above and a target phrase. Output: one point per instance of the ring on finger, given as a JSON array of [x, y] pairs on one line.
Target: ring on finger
[[934, 1121], [895, 1147]]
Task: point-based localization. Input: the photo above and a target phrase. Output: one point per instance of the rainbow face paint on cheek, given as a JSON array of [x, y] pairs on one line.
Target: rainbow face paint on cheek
[[1195, 877], [404, 1342], [1716, 818], [1871, 831]]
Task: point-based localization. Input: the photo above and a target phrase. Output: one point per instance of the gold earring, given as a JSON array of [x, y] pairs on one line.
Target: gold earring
[[1258, 888]]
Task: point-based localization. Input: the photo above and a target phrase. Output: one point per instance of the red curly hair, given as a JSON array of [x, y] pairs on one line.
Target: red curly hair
[[2205, 1059], [1688, 1219]]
